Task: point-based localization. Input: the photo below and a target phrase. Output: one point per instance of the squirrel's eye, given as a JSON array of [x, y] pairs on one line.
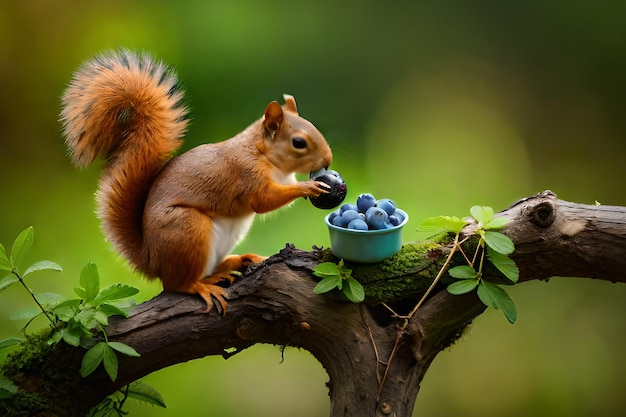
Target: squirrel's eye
[[299, 143]]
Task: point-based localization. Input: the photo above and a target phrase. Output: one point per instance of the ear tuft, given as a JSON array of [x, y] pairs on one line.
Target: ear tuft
[[290, 103], [273, 118]]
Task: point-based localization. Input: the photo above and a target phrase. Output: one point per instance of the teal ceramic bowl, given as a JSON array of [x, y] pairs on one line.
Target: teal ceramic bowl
[[365, 246]]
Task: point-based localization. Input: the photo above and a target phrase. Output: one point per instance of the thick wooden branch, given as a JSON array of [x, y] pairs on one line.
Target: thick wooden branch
[[558, 238], [274, 303]]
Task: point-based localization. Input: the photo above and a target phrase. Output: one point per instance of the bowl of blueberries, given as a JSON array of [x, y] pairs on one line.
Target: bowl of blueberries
[[368, 231]]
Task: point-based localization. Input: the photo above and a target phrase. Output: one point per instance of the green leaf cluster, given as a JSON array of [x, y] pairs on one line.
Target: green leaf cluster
[[77, 321], [496, 246], [88, 315], [338, 276]]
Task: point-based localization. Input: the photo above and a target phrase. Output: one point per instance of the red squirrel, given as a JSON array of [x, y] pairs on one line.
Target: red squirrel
[[179, 218]]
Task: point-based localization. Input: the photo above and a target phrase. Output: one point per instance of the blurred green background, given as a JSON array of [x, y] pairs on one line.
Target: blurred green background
[[438, 105]]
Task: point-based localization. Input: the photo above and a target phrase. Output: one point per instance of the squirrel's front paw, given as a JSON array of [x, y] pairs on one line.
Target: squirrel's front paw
[[312, 188]]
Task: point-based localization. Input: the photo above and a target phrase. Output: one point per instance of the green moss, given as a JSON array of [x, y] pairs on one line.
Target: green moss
[[44, 375], [31, 355], [403, 275], [24, 404]]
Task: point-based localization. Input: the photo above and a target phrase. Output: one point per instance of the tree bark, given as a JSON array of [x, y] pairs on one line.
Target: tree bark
[[375, 359]]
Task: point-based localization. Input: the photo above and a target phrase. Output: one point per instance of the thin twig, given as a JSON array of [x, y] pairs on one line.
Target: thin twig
[[373, 342], [393, 312], [43, 310], [405, 324]]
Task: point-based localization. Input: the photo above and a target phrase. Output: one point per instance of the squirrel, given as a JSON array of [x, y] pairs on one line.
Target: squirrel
[[178, 218]]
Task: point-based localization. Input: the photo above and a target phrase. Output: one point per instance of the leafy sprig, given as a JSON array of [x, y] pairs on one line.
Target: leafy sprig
[[77, 321], [13, 265], [492, 245], [340, 277]]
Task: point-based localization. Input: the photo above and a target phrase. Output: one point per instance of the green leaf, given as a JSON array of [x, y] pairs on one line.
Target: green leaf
[[112, 310], [504, 264], [499, 299], [5, 263], [463, 272], [92, 359], [7, 281], [21, 246], [110, 362], [42, 266], [101, 317], [497, 223], [87, 318], [485, 297], [66, 310], [140, 391], [65, 313], [463, 287], [499, 242], [353, 290], [442, 224], [124, 349], [90, 281], [482, 214], [71, 335], [114, 292], [28, 313], [80, 292], [50, 299], [11, 341], [327, 284], [326, 269], [55, 337], [7, 387]]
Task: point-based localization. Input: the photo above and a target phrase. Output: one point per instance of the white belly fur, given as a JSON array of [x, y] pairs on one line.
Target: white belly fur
[[227, 233]]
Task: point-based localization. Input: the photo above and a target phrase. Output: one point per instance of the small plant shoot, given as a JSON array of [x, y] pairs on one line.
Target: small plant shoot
[[492, 245], [338, 276], [77, 321]]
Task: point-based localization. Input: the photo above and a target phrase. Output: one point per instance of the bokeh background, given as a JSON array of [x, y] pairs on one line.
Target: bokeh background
[[438, 105]]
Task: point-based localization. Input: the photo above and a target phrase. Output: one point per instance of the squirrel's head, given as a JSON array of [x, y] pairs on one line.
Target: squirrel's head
[[292, 143]]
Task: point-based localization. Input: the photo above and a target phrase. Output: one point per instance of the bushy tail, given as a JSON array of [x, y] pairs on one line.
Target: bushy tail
[[126, 108]]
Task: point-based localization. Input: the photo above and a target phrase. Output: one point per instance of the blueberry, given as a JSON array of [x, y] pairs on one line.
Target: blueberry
[[388, 205], [337, 221], [365, 201], [348, 216], [376, 218], [394, 220], [348, 206], [357, 224], [337, 192]]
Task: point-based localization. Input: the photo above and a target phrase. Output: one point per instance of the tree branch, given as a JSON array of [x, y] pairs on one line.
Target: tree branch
[[274, 303]]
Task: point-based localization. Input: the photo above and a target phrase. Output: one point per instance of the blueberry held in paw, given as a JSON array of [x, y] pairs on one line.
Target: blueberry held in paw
[[336, 193]]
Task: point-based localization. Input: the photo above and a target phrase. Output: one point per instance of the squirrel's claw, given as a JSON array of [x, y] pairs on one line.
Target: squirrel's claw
[[214, 295]]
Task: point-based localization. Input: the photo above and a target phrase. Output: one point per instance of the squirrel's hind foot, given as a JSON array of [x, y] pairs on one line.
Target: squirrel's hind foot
[[214, 294]]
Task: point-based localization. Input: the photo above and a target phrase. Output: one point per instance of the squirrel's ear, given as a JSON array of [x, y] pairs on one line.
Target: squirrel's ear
[[290, 103], [273, 118]]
